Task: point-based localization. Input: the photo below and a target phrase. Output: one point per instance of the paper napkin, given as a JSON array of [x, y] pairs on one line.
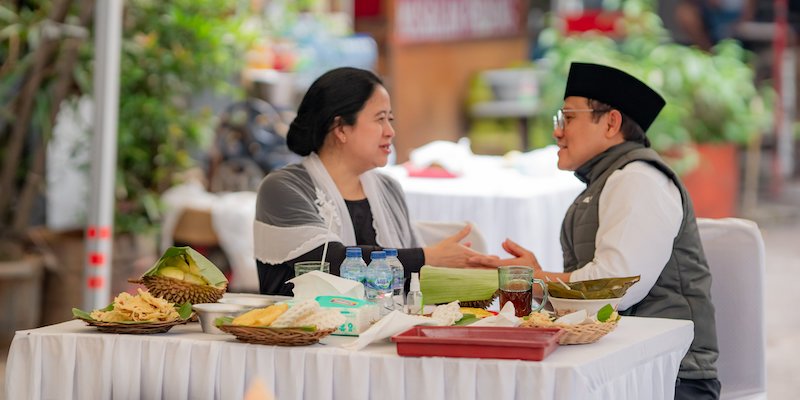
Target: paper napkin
[[505, 317], [393, 323], [317, 283]]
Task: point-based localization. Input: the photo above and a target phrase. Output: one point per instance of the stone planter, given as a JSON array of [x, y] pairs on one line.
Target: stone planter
[[20, 295]]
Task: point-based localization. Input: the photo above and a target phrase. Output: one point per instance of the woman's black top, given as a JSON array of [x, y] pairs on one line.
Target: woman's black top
[[272, 277]]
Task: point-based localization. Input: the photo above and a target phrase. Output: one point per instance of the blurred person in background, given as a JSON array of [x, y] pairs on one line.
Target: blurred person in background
[[343, 129], [706, 22], [634, 217]]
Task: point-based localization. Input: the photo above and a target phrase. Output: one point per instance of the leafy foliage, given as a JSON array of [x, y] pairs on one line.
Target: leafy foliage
[[171, 51], [711, 97]]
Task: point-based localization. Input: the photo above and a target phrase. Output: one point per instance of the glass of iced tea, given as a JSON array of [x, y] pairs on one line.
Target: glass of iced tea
[[516, 285]]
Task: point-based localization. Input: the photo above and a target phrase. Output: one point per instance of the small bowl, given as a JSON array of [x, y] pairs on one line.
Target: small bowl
[[592, 306], [252, 300], [208, 312]]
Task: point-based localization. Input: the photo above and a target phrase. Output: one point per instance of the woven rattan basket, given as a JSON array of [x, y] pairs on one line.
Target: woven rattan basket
[[144, 328], [275, 336], [577, 334]]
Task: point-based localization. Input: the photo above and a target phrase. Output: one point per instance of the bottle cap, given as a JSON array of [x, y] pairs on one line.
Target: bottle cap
[[390, 252], [414, 282], [352, 252], [378, 255]]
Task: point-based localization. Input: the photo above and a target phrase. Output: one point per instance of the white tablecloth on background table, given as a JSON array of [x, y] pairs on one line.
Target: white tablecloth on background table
[[523, 202], [639, 360]]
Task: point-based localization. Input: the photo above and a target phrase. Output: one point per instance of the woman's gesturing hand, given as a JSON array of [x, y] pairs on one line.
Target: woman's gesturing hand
[[450, 252]]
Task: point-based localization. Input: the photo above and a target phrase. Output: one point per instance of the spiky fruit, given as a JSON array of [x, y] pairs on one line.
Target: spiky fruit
[[181, 291], [182, 274], [478, 303]]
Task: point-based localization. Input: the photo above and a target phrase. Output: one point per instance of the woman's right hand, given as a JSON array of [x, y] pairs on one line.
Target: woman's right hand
[[450, 252]]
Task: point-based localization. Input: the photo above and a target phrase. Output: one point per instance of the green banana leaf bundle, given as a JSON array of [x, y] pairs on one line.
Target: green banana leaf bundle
[[443, 285], [606, 288], [186, 263]]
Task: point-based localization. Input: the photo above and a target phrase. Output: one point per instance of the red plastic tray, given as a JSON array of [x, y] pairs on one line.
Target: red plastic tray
[[532, 344]]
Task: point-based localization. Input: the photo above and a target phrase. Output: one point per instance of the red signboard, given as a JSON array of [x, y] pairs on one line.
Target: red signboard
[[448, 20]]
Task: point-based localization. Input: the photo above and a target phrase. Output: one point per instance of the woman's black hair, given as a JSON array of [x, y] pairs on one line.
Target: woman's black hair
[[341, 92]]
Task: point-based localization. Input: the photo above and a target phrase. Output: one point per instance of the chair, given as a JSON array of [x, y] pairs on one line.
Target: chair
[[735, 252]]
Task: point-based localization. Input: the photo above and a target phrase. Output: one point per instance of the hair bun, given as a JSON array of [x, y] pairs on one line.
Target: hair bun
[[299, 139]]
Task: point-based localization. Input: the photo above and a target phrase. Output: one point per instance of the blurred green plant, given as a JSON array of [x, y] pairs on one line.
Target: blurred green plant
[[711, 97], [171, 52]]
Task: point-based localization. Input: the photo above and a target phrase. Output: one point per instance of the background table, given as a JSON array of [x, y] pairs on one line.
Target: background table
[[523, 201], [639, 360]]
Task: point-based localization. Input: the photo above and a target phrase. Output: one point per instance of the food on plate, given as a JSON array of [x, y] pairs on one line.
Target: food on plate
[[545, 318], [471, 287], [182, 274], [142, 307], [477, 312], [447, 314], [261, 316], [303, 314], [539, 318]]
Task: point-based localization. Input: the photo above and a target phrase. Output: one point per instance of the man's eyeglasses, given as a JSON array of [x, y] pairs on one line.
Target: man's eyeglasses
[[558, 119]]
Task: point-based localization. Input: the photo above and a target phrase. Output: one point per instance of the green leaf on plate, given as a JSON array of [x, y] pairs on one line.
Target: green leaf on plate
[[223, 321], [466, 320], [78, 313], [185, 310], [605, 313]]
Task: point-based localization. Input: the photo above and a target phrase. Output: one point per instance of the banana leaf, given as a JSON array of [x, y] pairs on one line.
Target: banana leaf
[[606, 288], [184, 311], [441, 285], [189, 256]]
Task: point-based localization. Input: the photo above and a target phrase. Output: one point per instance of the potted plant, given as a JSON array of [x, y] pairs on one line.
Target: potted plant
[[712, 100], [40, 54], [171, 52]]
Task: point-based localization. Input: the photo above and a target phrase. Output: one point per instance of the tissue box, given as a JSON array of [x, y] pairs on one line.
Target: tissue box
[[359, 314]]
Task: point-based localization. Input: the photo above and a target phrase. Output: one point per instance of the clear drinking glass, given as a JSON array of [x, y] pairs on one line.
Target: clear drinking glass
[[302, 267], [516, 285]]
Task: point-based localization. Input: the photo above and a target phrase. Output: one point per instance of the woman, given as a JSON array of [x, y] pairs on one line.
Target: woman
[[343, 129]]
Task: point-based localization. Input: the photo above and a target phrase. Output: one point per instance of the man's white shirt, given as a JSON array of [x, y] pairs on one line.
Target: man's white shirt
[[640, 213]]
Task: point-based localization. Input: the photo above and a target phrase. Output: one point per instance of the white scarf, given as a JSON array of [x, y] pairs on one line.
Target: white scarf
[[275, 245]]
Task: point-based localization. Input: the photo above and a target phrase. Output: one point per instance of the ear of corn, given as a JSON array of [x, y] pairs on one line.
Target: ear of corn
[[443, 285]]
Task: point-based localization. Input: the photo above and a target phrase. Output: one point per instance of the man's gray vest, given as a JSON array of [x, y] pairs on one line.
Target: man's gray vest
[[683, 290]]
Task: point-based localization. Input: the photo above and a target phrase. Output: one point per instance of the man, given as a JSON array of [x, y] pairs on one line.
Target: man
[[634, 218]]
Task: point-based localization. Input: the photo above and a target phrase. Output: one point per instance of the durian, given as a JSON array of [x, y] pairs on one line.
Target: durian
[[182, 274]]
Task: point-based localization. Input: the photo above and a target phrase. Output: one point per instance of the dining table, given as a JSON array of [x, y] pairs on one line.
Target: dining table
[[70, 360]]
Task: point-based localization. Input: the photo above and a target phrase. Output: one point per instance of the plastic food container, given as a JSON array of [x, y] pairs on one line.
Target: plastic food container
[[533, 344]]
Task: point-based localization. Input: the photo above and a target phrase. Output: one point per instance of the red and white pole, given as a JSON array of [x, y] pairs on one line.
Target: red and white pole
[[100, 227]]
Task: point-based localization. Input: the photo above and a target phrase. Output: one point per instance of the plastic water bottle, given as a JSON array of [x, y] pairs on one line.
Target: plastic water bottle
[[379, 282], [353, 267], [398, 278], [414, 299]]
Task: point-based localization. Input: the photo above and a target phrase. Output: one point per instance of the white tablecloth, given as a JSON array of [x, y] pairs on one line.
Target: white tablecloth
[[525, 203], [639, 360]]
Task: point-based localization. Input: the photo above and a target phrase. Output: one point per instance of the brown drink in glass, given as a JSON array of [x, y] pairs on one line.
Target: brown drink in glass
[[520, 293]]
